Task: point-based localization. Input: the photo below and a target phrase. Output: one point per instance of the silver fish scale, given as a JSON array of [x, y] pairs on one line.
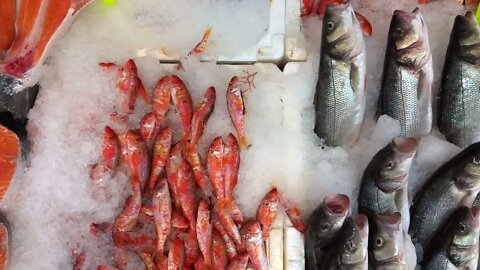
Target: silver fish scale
[[440, 199], [335, 102], [400, 99], [460, 103], [440, 262]]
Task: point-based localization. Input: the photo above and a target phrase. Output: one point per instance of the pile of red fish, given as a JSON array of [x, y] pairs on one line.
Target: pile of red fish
[[187, 202]]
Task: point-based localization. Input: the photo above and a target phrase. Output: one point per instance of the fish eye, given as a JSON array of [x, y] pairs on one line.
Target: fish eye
[[462, 228], [330, 25], [399, 31], [476, 160], [389, 164], [324, 226], [349, 246], [378, 242]]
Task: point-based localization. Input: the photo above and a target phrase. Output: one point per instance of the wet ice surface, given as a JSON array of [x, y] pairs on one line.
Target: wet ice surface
[[55, 203]]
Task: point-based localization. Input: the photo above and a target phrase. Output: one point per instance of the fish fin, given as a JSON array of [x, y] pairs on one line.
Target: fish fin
[[365, 25], [354, 78]]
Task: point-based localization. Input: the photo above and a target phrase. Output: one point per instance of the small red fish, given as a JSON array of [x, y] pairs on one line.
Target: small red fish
[[138, 158], [239, 262], [183, 102], [127, 219], [176, 255], [199, 173], [255, 245], [219, 254], [149, 128], [142, 92], [179, 221], [204, 231], [296, 217], [215, 169], [192, 250], [202, 114], [161, 151], [78, 262], [186, 192], [229, 247], [162, 214], [171, 167], [236, 109], [231, 164], [223, 210], [267, 211], [105, 168], [200, 264], [201, 45], [161, 97], [134, 241]]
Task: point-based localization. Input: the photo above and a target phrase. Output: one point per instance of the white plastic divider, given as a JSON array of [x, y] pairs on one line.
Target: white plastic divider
[[294, 51]]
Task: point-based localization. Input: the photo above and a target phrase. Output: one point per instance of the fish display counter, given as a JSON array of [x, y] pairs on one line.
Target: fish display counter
[[337, 134]]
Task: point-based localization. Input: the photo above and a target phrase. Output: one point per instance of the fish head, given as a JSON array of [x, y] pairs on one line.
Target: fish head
[[466, 35], [339, 36], [386, 240], [395, 163], [469, 176], [407, 34], [354, 241], [465, 236], [334, 209]]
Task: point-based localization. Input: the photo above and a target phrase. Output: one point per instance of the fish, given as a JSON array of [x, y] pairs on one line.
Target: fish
[[267, 211], [10, 158], [455, 183], [161, 97], [162, 214], [295, 215], [254, 245], [231, 164], [176, 256], [325, 221], [105, 168], [186, 193], [161, 150], [219, 253], [349, 250], [456, 244], [183, 103], [215, 167], [458, 111], [239, 262], [200, 174], [224, 212], [204, 231], [138, 158], [391, 246], [236, 109], [201, 114], [406, 91], [171, 168], [149, 128], [384, 186], [340, 90]]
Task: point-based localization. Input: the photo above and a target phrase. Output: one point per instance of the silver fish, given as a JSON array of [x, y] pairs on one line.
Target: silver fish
[[349, 250], [324, 223], [390, 245], [456, 245], [384, 182], [454, 184], [406, 93], [459, 107], [340, 92]]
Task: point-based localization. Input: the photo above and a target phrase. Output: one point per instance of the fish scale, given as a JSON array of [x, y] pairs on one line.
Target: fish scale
[[400, 99], [336, 101], [460, 103]]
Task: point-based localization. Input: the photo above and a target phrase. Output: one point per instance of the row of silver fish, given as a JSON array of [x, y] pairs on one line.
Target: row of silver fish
[[406, 89], [443, 222]]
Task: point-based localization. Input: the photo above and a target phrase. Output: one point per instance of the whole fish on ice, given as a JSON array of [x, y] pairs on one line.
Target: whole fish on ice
[[406, 92], [456, 245], [391, 246], [384, 183], [454, 184], [325, 221], [459, 108], [340, 92]]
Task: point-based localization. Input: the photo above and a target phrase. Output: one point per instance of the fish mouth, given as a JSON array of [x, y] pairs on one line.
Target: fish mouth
[[361, 221], [415, 45], [395, 183], [337, 205], [392, 260], [405, 146]]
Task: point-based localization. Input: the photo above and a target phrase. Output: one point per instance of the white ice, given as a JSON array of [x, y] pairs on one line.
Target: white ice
[[52, 205]]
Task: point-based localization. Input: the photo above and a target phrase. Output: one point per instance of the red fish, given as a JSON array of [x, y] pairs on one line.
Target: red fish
[[149, 128], [296, 217], [215, 169], [192, 250], [134, 241], [239, 262], [202, 114], [219, 254], [138, 158], [148, 260], [161, 97], [161, 150], [173, 162], [179, 221], [204, 231], [186, 192], [236, 109], [255, 245], [231, 165], [176, 255], [200, 264], [267, 211], [127, 219], [105, 168], [224, 213], [199, 173], [162, 214], [183, 102]]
